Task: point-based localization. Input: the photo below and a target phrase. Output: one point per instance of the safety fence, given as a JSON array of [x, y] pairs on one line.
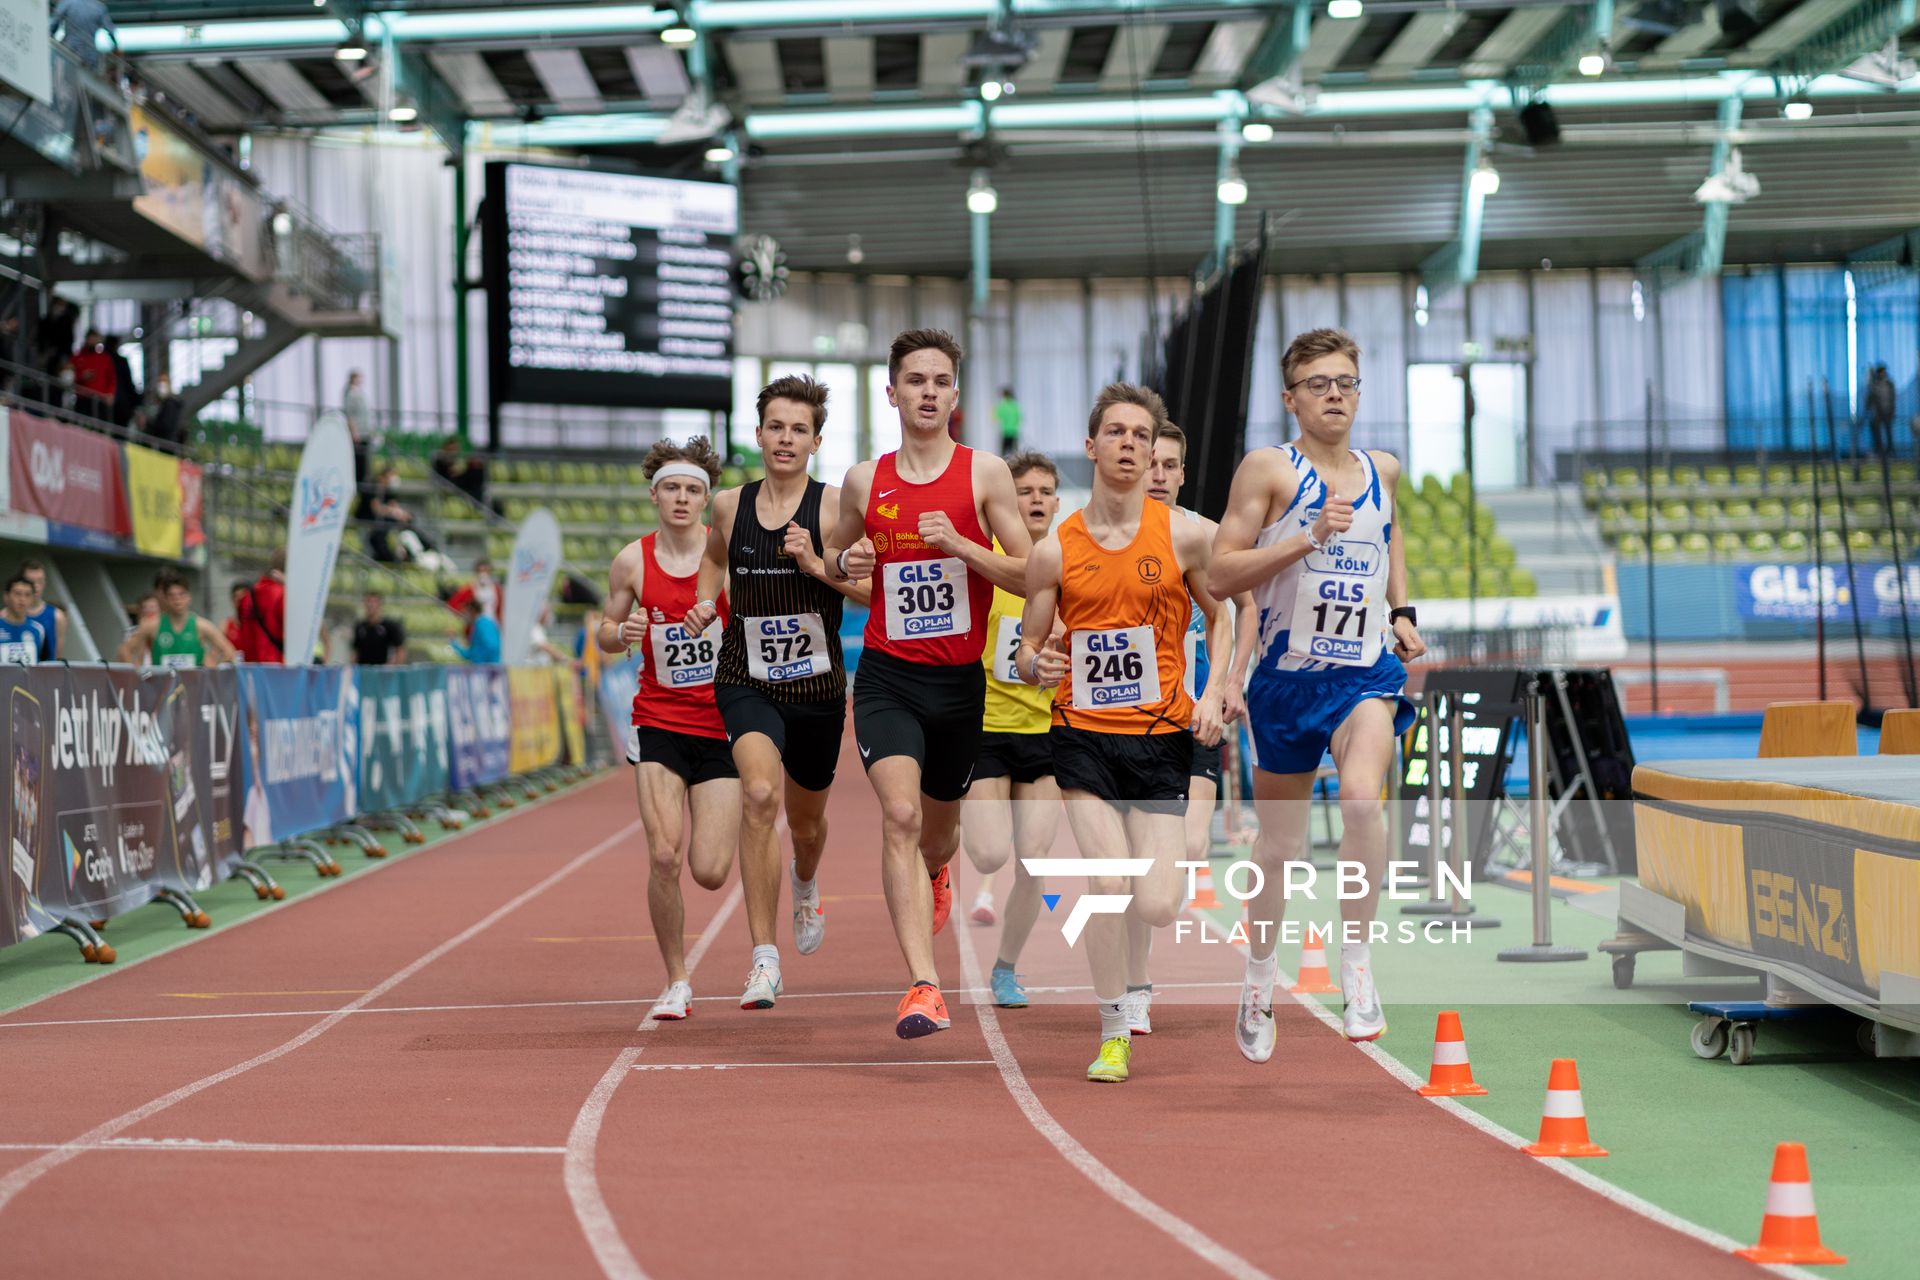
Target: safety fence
[[130, 785]]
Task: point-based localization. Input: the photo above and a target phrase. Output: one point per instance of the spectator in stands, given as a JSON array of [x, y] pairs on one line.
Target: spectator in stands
[[263, 617], [126, 396], [359, 414], [483, 588], [176, 636], [484, 647], [162, 416], [94, 380], [378, 640], [19, 637], [468, 475], [541, 650], [50, 618], [53, 345], [1879, 412], [239, 593], [1007, 414], [384, 518], [78, 24]]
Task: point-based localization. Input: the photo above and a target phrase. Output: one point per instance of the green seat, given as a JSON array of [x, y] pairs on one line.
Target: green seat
[[1429, 582], [1717, 477], [1459, 582], [1626, 478], [1727, 544], [1770, 509], [1792, 542], [1665, 544], [1695, 544], [1762, 541], [1861, 539], [1746, 474], [1500, 552], [1520, 582], [1593, 479], [1684, 478], [1631, 547]]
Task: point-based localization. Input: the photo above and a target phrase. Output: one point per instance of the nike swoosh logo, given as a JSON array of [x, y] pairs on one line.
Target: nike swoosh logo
[[885, 492], [865, 752]]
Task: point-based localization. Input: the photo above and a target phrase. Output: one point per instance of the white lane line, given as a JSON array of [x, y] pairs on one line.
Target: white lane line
[[27, 1174], [747, 1066], [890, 994], [1493, 1128], [1191, 1237], [583, 1185], [473, 827], [294, 1148]]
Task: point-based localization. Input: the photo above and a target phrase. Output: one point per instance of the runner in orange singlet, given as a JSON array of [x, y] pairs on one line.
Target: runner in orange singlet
[[1119, 573]]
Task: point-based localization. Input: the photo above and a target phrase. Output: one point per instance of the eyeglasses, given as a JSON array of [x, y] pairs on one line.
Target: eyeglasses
[[1320, 384]]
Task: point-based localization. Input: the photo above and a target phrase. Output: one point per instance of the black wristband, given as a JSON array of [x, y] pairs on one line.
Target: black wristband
[[1404, 611]]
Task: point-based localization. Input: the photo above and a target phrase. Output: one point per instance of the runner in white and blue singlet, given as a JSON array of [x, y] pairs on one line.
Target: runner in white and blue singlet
[[1309, 530]]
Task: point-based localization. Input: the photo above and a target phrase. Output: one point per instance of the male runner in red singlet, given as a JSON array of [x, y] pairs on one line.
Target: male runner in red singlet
[[921, 522], [678, 745]]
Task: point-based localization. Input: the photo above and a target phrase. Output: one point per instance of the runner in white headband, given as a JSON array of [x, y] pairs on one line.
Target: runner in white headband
[[684, 469]]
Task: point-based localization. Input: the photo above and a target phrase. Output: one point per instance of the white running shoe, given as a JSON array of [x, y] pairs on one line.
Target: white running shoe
[[763, 987], [1253, 1027], [1136, 1004], [1364, 1018], [675, 1003], [809, 924]]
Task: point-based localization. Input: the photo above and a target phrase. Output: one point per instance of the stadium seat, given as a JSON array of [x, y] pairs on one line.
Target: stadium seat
[[1760, 542], [1520, 582]]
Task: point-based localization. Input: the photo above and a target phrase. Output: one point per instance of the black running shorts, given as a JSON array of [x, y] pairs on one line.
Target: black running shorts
[[694, 759], [1206, 761], [1146, 771], [1023, 757], [806, 734], [931, 713]]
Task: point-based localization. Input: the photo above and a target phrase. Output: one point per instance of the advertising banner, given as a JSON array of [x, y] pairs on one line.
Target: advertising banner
[[536, 558], [1795, 592], [66, 474], [322, 499], [573, 728], [203, 774], [176, 191], [300, 750], [193, 531], [478, 716], [403, 735], [26, 55], [536, 727], [153, 497]]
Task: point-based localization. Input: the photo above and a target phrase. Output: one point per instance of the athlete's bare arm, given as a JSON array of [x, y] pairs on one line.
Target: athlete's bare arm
[[1246, 634], [139, 642], [1406, 637], [1192, 548], [1237, 564], [1000, 513], [1041, 664], [800, 547], [620, 628], [850, 528], [712, 576], [215, 642]]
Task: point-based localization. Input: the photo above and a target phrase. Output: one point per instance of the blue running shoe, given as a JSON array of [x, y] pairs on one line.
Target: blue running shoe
[[1007, 991]]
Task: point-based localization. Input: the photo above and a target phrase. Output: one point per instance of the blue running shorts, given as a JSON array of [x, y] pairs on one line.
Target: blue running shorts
[[1292, 715]]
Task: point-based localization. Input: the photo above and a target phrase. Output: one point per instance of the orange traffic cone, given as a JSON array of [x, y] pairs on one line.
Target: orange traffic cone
[[1314, 979], [1789, 1232], [1563, 1122], [1203, 895], [1451, 1076]]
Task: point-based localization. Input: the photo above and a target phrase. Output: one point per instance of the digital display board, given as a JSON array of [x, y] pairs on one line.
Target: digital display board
[[608, 288]]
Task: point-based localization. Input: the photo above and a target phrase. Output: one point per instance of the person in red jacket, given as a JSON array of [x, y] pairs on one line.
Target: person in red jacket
[[263, 614], [95, 380]]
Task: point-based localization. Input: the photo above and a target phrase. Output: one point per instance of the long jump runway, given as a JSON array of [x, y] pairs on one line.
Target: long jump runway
[[437, 1070]]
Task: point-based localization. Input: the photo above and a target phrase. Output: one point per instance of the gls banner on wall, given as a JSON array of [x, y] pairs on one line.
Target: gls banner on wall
[[403, 735], [300, 748], [1795, 592], [322, 495]]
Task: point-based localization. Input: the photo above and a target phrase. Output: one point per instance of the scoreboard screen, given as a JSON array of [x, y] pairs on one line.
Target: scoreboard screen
[[611, 289]]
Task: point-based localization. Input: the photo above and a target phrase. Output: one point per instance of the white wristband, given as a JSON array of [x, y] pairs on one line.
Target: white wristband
[[1314, 542], [840, 562]]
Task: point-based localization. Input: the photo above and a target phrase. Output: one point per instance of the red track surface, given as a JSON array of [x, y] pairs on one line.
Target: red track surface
[[1316, 1162]]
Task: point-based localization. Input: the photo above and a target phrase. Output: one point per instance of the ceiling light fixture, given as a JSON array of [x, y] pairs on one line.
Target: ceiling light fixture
[[1344, 9], [1233, 187], [981, 197], [1593, 64], [1257, 131], [351, 52], [1798, 109], [678, 33], [990, 91], [719, 154], [1486, 178], [403, 114]]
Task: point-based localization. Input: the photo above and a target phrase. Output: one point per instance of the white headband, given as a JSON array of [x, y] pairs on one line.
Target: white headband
[[685, 469]]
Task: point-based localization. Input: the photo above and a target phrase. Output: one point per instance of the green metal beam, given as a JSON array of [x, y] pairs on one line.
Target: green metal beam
[[1579, 32], [1455, 265], [1892, 261], [414, 79], [1702, 252], [1282, 47], [1861, 30]]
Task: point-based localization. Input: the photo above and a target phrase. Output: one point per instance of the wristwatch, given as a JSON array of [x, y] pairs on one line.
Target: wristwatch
[[1404, 611]]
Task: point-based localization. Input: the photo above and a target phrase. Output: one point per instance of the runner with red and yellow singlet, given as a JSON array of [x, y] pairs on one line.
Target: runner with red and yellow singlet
[[678, 745], [1121, 575], [921, 522]]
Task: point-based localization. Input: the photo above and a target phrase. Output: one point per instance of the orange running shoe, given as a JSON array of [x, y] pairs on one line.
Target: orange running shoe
[[942, 897], [922, 1012]]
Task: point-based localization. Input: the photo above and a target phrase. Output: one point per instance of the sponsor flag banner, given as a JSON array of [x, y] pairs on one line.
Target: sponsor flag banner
[[573, 729], [153, 495], [300, 748], [403, 735], [322, 495], [536, 558], [204, 774], [193, 531], [478, 718], [65, 474], [536, 727], [618, 683]]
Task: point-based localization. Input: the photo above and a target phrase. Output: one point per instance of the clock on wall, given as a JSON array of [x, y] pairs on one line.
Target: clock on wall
[[763, 268]]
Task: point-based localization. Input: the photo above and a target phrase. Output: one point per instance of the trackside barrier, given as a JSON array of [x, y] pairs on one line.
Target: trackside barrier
[[129, 786]]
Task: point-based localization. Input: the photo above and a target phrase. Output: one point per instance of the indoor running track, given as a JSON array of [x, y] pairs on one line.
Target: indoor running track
[[439, 1069]]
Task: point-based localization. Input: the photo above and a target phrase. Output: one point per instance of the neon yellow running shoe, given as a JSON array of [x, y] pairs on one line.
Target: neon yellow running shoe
[[1111, 1066]]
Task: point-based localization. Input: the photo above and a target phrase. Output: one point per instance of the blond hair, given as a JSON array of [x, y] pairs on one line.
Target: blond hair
[[1313, 344]]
